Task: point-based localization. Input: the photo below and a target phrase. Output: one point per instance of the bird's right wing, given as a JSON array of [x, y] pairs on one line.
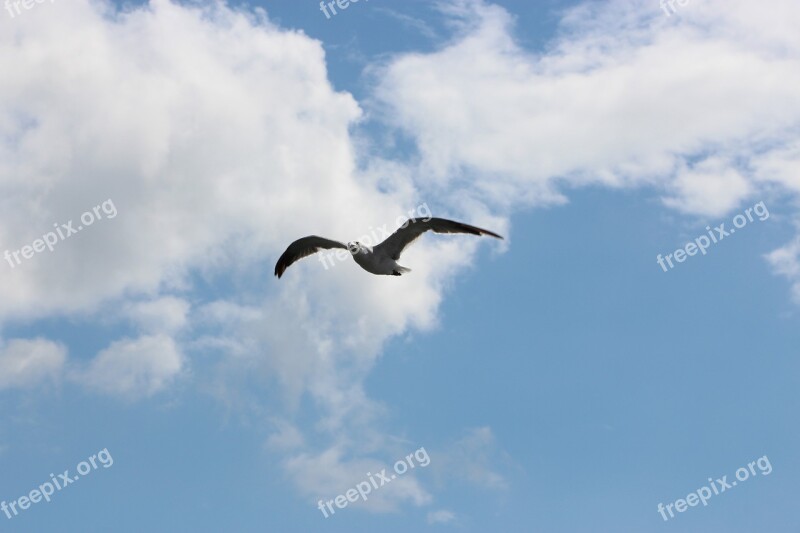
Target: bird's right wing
[[394, 245], [303, 248]]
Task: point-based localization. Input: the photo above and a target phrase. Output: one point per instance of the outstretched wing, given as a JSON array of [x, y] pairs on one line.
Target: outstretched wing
[[303, 248], [394, 245]]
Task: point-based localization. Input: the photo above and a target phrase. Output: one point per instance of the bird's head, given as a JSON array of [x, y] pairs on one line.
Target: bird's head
[[356, 248]]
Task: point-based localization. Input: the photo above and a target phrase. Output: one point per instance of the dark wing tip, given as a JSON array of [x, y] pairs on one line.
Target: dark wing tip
[[492, 234], [279, 269], [283, 263], [474, 230]]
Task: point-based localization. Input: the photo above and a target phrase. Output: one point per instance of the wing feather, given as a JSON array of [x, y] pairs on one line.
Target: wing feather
[[394, 245], [303, 248]]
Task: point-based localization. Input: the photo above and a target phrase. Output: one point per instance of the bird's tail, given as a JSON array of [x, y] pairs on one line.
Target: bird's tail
[[399, 270]]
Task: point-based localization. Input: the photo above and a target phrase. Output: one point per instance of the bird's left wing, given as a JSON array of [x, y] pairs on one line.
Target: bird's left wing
[[394, 245], [303, 248]]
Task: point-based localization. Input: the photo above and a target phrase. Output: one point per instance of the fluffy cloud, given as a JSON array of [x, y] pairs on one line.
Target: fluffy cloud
[[201, 133], [168, 314], [218, 137], [27, 363], [134, 368], [780, 166], [325, 475], [623, 97], [711, 187], [786, 262]]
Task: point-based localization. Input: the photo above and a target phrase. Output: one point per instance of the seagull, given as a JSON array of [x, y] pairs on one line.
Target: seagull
[[382, 259]]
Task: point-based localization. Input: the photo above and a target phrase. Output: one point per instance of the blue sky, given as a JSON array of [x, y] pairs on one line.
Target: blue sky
[[557, 381]]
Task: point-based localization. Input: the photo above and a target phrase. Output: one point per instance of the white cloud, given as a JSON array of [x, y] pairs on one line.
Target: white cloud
[[220, 139], [786, 262], [194, 132], [134, 368], [441, 516], [712, 187], [328, 474], [624, 97], [780, 165], [26, 363], [167, 315]]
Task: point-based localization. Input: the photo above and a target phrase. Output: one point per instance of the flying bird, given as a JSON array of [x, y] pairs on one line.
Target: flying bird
[[381, 259]]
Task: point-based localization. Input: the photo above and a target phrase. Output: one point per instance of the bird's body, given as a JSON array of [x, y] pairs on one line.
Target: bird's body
[[378, 264], [382, 259]]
